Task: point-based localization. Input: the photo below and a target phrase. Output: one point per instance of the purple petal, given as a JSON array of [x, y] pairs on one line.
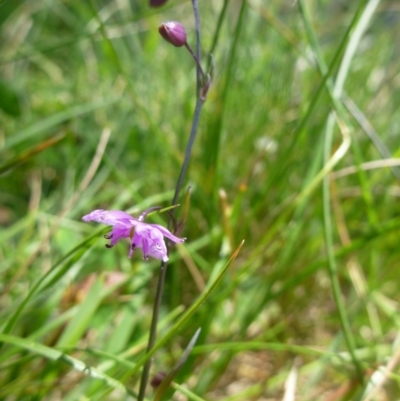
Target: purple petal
[[119, 232], [111, 217], [167, 233], [151, 240]]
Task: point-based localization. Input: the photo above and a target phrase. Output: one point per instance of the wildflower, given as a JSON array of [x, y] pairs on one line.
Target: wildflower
[[174, 33], [157, 3], [148, 237]]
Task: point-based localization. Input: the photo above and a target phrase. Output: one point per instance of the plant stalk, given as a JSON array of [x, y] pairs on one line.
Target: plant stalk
[[163, 269]]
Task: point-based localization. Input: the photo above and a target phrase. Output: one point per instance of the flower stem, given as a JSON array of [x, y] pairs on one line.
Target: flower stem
[[188, 152], [153, 330], [198, 45], [193, 132], [203, 77]]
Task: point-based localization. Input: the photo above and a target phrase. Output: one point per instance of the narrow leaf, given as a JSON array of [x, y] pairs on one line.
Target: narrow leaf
[[163, 387], [55, 355]]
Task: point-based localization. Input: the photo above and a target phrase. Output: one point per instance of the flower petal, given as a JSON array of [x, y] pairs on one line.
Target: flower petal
[[167, 233], [151, 240], [111, 217], [117, 233]]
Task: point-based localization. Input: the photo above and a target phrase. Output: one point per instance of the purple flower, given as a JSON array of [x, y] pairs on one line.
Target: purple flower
[[173, 32], [157, 3], [148, 237]]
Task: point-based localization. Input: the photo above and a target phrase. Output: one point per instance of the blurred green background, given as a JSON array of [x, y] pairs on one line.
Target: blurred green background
[[297, 153]]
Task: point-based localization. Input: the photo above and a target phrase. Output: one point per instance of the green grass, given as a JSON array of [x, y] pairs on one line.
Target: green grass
[[95, 112]]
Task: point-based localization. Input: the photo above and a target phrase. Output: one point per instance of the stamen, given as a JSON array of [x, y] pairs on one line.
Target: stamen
[[109, 246], [133, 246], [108, 236]]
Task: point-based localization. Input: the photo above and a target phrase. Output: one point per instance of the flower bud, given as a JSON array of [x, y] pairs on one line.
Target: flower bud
[[157, 379], [157, 3], [173, 32]]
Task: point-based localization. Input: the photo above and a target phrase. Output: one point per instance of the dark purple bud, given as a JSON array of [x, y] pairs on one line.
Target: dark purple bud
[[157, 3], [157, 379], [174, 33]]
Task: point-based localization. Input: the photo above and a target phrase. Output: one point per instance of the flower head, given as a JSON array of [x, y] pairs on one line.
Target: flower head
[[173, 32], [148, 237], [157, 3]]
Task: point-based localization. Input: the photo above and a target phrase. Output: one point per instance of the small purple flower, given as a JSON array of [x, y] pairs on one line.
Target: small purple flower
[[148, 237], [173, 32], [157, 3]]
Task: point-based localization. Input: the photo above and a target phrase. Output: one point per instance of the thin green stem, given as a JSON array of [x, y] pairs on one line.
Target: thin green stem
[[199, 68], [153, 330], [214, 140], [188, 152], [198, 45], [217, 31], [332, 266]]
